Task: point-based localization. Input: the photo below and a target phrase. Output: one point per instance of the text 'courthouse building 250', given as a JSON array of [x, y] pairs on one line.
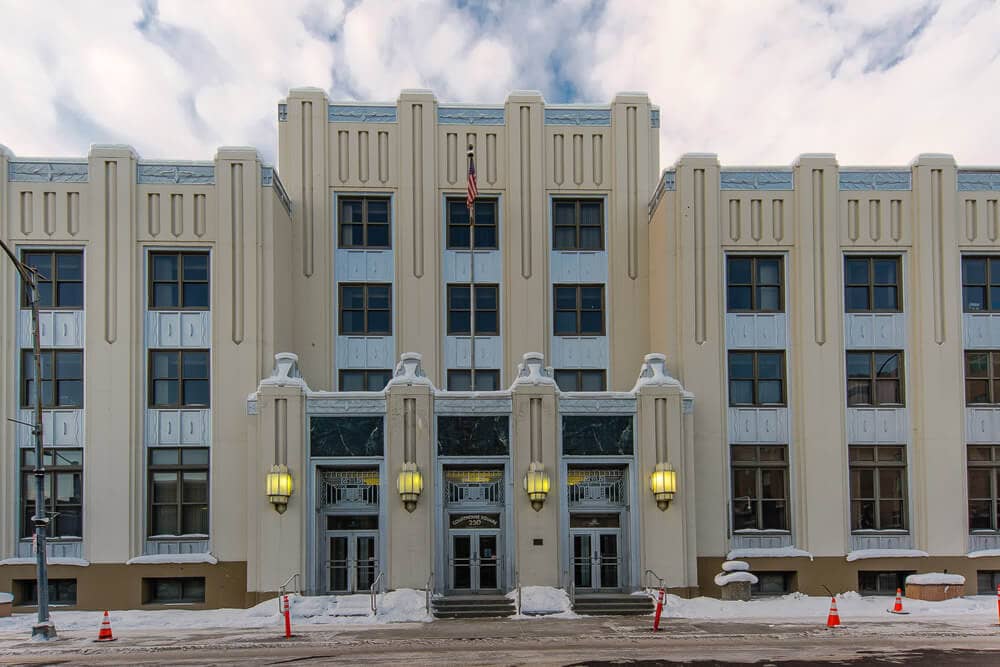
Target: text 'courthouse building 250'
[[477, 404]]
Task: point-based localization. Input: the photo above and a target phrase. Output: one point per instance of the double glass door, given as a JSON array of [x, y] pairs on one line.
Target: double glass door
[[474, 560], [597, 558], [352, 555]]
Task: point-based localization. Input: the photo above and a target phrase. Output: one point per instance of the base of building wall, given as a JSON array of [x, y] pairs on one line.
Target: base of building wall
[[814, 577]]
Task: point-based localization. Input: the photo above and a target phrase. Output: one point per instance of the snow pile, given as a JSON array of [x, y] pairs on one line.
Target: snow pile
[[731, 577], [936, 578], [735, 566], [57, 560], [984, 553], [775, 552], [543, 600], [862, 554], [6, 598], [173, 558]]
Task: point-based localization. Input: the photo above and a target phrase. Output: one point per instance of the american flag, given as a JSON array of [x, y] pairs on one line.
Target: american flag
[[473, 190]]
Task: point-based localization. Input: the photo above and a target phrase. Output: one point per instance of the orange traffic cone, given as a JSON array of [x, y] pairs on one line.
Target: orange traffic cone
[[105, 633], [898, 607], [833, 619]]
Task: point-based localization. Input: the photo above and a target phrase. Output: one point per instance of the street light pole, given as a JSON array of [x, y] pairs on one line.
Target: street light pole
[[44, 628]]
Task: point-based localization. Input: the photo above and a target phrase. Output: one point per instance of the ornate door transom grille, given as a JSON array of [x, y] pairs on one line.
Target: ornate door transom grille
[[348, 488], [596, 486], [473, 487]]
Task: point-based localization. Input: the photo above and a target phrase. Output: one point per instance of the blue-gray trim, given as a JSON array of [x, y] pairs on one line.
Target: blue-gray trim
[[777, 179], [668, 182], [470, 116], [282, 113], [885, 179], [654, 118], [352, 113], [30, 171], [175, 174], [597, 117], [269, 178], [978, 180]]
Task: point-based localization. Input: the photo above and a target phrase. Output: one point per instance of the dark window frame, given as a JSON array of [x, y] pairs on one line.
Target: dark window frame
[[366, 309], [149, 585], [756, 379], [27, 391], [365, 222], [367, 375], [993, 577], [990, 287], [578, 309], [874, 378], [991, 377], [758, 465], [482, 204], [491, 373], [877, 466], [755, 285], [992, 468], [577, 225], [62, 592], [181, 281], [870, 285], [53, 279], [179, 504], [54, 508], [474, 298], [578, 375], [898, 576], [787, 583], [180, 380]]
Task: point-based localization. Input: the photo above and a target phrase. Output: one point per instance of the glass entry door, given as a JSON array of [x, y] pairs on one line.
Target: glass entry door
[[351, 555], [597, 554], [474, 560]]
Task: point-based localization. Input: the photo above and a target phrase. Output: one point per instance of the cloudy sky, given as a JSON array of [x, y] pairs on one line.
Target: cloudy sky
[[876, 81]]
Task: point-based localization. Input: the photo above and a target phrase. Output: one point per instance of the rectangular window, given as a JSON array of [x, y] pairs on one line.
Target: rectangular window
[[984, 487], [772, 583], [461, 380], [178, 491], [579, 310], [604, 435], [578, 224], [63, 502], [871, 285], [878, 487], [981, 284], [760, 487], [460, 232], [756, 378], [365, 309], [346, 436], [473, 436], [364, 222], [365, 380], [179, 378], [178, 590], [982, 378], [875, 378], [754, 284], [881, 583], [486, 308], [581, 379], [178, 281], [62, 378], [60, 278], [987, 582], [61, 592]]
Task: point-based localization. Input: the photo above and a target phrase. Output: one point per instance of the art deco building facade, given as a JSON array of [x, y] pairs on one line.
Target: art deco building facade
[[808, 357]]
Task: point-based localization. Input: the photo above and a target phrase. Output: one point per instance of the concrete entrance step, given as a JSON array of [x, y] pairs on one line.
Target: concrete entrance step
[[472, 606], [613, 604]]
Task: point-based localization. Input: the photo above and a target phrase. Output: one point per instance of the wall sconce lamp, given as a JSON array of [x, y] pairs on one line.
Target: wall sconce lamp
[[663, 484], [279, 487], [409, 484], [537, 484]]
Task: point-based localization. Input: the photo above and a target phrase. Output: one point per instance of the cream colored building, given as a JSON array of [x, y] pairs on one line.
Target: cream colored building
[[810, 349]]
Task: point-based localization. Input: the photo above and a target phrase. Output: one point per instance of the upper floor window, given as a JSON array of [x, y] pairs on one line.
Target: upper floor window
[[178, 491], [875, 378], [63, 501], [179, 378], [754, 284], [461, 231], [366, 309], [981, 284], [878, 487], [871, 284], [756, 378], [365, 379], [463, 380], [179, 280], [364, 222], [485, 307], [760, 487], [62, 378], [982, 377], [60, 278], [578, 224], [581, 379], [579, 310], [984, 487]]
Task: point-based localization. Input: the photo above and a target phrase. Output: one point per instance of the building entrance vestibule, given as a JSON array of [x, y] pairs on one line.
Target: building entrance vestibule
[[352, 552], [474, 500], [598, 527], [596, 544]]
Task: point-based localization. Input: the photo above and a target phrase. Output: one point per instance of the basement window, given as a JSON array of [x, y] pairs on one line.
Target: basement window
[[176, 590], [61, 592]]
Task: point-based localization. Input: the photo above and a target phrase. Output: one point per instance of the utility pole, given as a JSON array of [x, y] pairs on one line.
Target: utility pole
[[44, 628], [472, 282]]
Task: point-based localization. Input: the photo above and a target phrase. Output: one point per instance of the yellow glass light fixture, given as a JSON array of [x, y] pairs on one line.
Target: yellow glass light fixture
[[279, 487], [663, 484], [537, 484], [409, 484]]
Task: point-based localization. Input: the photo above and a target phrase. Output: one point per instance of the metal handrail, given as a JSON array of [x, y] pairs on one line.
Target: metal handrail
[[572, 585], [427, 592], [284, 588], [646, 574], [517, 584], [373, 590]]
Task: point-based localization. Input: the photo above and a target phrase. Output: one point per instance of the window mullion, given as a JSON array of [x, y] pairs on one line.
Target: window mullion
[[759, 501]]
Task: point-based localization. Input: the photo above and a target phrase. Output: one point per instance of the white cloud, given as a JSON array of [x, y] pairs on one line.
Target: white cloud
[[753, 82]]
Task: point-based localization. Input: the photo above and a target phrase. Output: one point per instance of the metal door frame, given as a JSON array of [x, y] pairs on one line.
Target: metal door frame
[[475, 560], [352, 562], [597, 558]]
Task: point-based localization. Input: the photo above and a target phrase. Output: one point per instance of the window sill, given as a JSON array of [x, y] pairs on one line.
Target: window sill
[[880, 532], [761, 531]]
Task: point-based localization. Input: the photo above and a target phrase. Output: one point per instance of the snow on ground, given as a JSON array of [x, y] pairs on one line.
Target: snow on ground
[[543, 600]]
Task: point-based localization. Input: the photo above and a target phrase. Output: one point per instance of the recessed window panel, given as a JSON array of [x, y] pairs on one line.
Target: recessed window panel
[[487, 435], [605, 435], [346, 436]]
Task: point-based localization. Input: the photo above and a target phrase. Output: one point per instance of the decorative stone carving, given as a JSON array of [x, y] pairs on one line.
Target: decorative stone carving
[[470, 115], [970, 181], [31, 171], [756, 180], [409, 371], [654, 118], [654, 373], [176, 174], [884, 179], [532, 371], [668, 183], [282, 113], [579, 116], [341, 405], [286, 372], [354, 113]]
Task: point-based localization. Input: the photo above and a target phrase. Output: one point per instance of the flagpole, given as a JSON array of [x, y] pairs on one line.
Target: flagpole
[[472, 282]]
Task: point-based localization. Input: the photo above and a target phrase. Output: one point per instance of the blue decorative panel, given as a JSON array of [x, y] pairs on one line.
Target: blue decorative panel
[[757, 180], [561, 116], [269, 178], [282, 113], [876, 180], [668, 182], [177, 174], [654, 118], [978, 180], [350, 113], [46, 172], [470, 116]]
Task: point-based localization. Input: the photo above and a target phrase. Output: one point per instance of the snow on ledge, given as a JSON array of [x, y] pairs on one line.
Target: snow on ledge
[[862, 554], [78, 562], [173, 558], [735, 566], [984, 553], [777, 552], [936, 579], [730, 577]]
